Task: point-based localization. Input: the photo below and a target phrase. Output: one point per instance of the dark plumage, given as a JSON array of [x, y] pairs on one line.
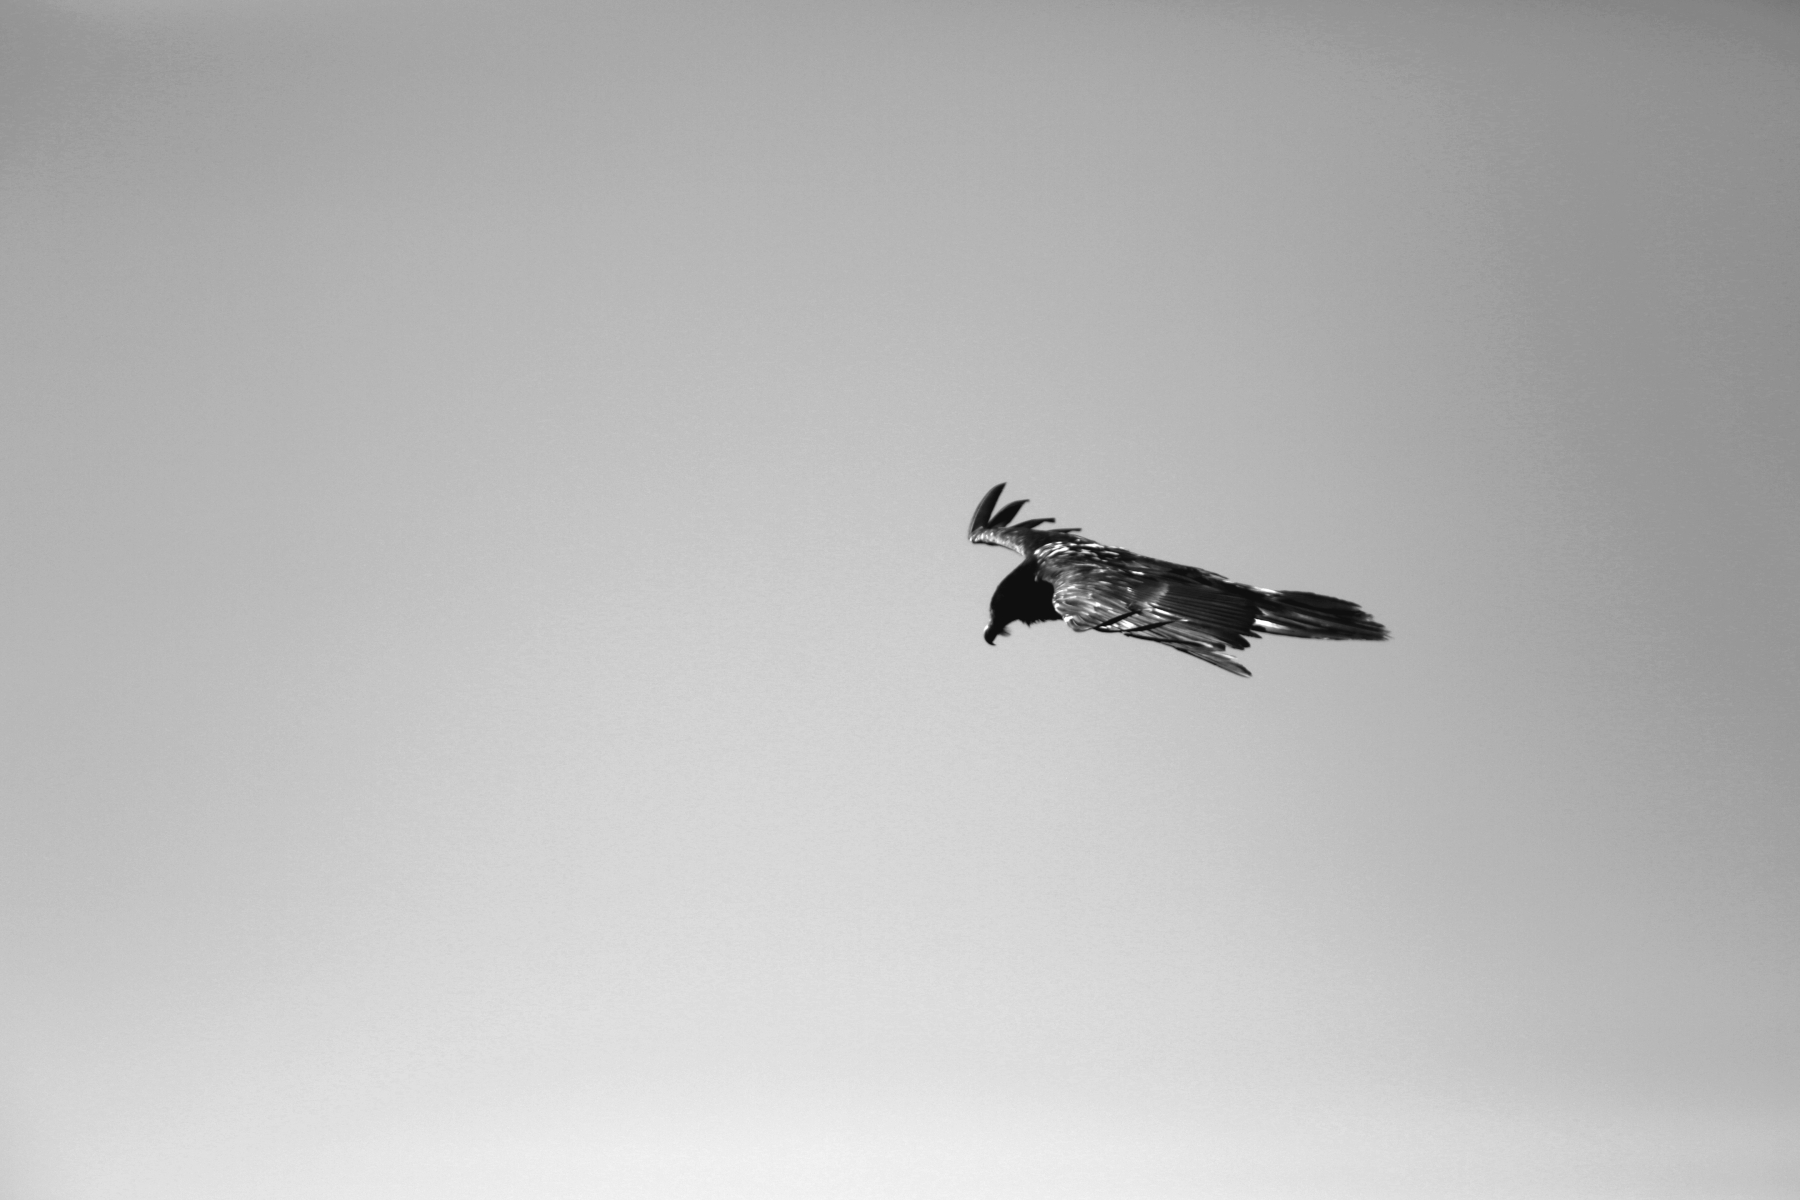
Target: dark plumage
[[1104, 588]]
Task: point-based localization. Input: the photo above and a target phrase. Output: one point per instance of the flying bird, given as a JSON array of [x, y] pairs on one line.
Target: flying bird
[[1108, 590]]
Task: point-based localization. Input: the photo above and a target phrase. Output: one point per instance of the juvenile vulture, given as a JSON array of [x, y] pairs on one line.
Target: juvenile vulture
[[1108, 590]]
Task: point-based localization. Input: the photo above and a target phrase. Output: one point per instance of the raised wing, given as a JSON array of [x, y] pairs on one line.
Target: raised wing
[[1108, 590], [990, 528]]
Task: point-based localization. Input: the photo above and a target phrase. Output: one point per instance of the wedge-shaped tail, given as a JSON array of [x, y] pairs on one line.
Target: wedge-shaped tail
[[1310, 615]]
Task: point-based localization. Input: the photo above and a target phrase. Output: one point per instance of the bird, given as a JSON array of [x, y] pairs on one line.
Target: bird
[[1098, 588]]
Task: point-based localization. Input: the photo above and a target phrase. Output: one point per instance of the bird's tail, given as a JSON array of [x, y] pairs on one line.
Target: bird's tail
[[1310, 615]]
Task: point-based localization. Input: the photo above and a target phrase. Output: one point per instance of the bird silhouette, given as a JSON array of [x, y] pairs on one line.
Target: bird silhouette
[[1104, 589]]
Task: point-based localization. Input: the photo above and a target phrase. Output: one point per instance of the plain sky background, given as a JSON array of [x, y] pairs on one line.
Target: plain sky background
[[495, 698]]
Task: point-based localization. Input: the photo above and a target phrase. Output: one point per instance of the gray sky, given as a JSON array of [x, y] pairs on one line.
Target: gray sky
[[496, 698]]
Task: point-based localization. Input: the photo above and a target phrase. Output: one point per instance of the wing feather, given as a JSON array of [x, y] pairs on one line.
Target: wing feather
[[1108, 590]]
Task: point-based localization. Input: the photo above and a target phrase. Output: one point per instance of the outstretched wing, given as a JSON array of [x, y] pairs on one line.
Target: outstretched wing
[[1108, 590]]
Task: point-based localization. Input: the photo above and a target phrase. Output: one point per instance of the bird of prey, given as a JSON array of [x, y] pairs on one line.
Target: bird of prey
[[1103, 588]]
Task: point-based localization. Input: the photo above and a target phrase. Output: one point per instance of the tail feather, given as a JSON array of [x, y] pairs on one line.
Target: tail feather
[[1310, 615]]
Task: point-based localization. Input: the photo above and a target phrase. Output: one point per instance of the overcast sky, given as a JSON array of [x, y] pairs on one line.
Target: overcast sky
[[495, 697]]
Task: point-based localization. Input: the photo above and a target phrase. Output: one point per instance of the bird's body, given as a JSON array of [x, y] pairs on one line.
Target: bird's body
[[1092, 586]]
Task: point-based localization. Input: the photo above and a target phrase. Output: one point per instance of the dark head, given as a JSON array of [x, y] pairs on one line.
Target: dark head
[[1022, 597]]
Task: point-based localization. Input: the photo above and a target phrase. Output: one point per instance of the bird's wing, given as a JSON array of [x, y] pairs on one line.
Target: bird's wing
[[991, 528], [1108, 590]]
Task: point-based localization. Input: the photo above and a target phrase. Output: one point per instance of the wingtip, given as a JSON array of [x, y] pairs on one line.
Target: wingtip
[[984, 511]]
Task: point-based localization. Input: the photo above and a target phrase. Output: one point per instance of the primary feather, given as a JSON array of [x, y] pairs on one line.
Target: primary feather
[[1105, 589]]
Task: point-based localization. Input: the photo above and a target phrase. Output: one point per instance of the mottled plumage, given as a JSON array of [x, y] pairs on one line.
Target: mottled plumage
[[1103, 588]]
